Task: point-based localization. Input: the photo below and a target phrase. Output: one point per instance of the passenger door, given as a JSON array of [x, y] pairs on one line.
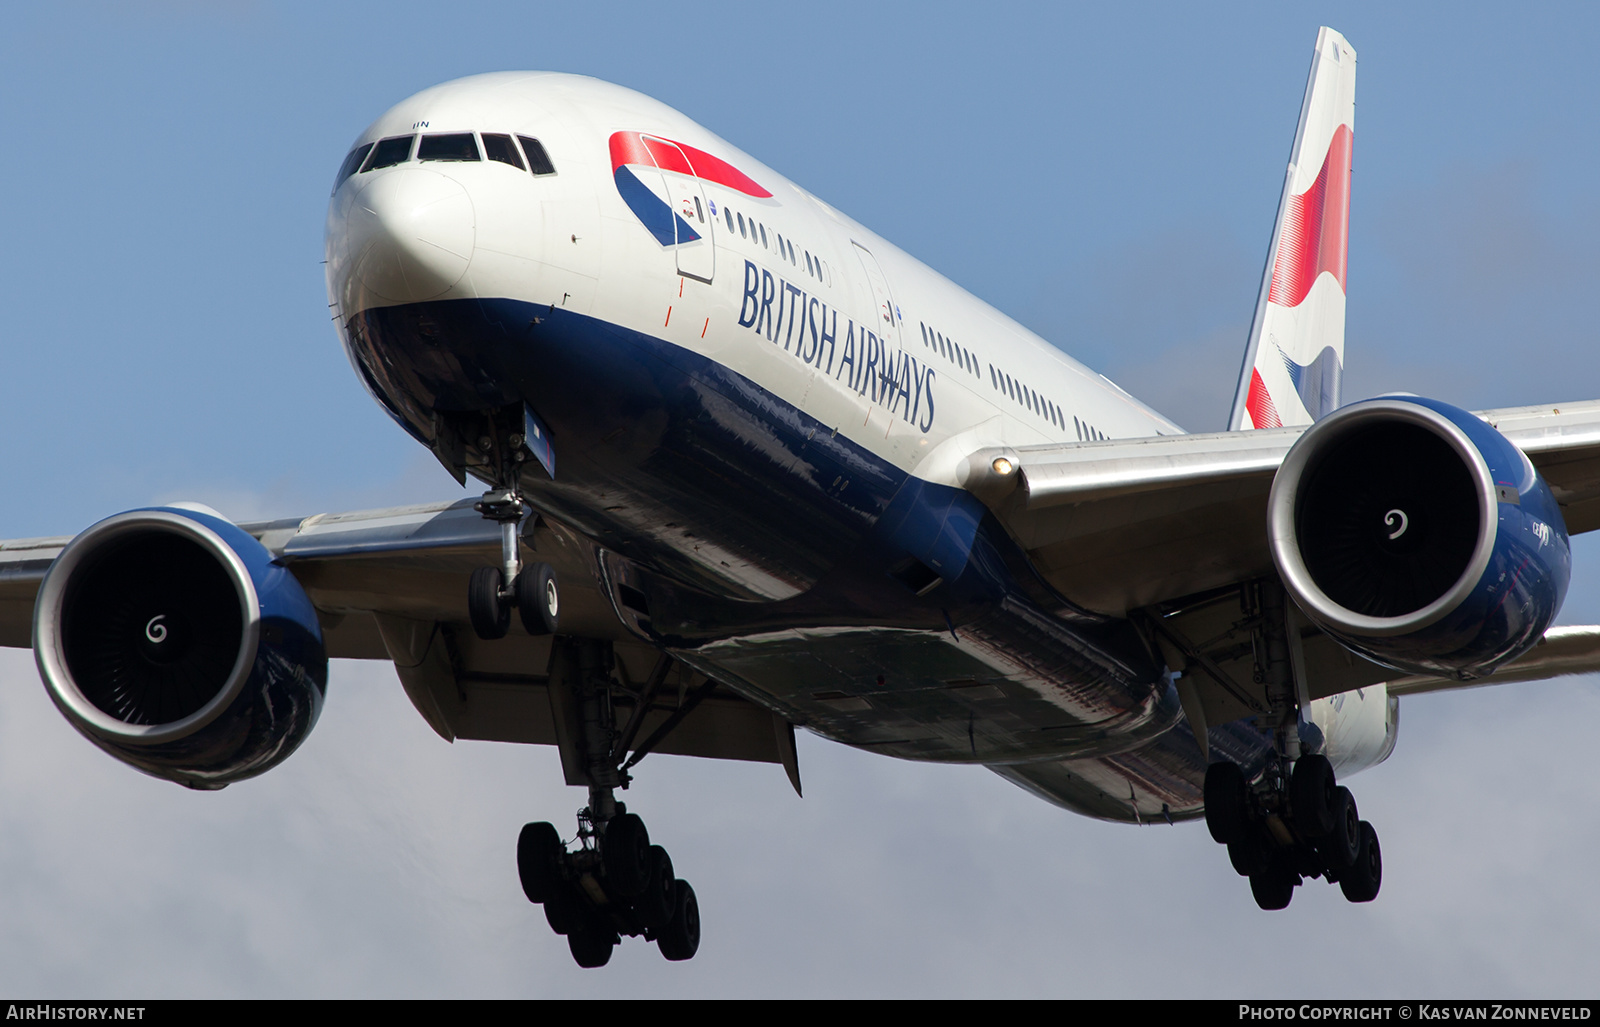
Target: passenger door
[[888, 316], [696, 252]]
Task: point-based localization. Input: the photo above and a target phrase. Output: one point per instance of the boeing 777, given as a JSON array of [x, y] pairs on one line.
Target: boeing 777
[[748, 467]]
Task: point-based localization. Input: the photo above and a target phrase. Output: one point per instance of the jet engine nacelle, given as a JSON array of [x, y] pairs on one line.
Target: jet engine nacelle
[[170, 639], [1418, 536]]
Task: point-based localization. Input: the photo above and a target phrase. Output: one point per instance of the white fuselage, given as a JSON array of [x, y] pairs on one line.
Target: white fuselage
[[569, 239], [647, 226]]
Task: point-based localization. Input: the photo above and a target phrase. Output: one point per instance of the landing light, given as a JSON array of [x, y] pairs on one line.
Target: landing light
[[1003, 466]]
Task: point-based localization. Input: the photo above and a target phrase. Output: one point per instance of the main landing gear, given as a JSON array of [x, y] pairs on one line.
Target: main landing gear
[[1291, 826], [1294, 821], [610, 881]]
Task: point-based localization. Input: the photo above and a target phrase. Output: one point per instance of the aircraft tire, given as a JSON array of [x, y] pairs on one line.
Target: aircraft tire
[[1272, 888], [491, 616], [655, 904], [1361, 882], [680, 939], [591, 945], [1312, 791], [1341, 846], [626, 851], [561, 911], [539, 599], [539, 851], [1250, 853], [1225, 802]]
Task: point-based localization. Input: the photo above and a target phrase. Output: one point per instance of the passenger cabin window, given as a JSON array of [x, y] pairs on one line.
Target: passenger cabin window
[[389, 152], [728, 213], [455, 146], [501, 148], [538, 160], [351, 163]]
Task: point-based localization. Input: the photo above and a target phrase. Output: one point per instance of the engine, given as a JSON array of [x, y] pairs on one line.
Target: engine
[[170, 639], [1418, 536]]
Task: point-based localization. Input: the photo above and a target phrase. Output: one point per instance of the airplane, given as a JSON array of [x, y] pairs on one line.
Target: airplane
[[749, 467]]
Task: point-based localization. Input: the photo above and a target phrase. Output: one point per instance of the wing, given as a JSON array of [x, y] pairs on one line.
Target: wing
[[392, 584], [1117, 526], [1165, 530]]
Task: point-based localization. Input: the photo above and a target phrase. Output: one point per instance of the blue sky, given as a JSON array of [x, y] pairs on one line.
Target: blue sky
[[1107, 175]]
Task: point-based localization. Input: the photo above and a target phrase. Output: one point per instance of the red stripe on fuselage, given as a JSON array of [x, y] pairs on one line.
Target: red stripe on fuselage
[[636, 148], [1316, 228]]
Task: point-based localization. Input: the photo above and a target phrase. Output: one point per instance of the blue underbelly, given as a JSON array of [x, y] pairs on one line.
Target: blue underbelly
[[772, 553]]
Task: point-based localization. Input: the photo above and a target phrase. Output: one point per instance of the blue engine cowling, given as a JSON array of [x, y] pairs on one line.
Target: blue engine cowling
[[170, 639], [1419, 536]]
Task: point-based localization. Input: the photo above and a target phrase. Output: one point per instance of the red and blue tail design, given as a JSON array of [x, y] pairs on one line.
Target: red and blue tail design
[[1294, 363]]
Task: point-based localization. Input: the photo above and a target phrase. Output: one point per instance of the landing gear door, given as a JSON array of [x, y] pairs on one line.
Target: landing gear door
[[693, 222], [888, 317]]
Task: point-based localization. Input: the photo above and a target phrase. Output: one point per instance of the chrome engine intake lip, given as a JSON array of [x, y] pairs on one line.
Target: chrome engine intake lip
[[1282, 516], [50, 654]]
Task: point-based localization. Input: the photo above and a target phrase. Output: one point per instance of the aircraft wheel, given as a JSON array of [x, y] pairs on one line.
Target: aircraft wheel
[[1341, 847], [626, 850], [539, 599], [491, 616], [1272, 888], [1361, 882], [1250, 853], [539, 852], [1225, 802], [680, 939], [561, 911], [1312, 791], [655, 904], [591, 945]]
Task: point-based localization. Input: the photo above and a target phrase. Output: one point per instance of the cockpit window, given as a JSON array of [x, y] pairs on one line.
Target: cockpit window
[[389, 152], [501, 148], [456, 146], [351, 162], [538, 160]]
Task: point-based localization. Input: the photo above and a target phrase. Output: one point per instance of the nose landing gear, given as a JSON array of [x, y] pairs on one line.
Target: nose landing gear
[[493, 591]]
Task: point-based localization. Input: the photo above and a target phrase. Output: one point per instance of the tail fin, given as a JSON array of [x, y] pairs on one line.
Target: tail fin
[[1294, 362]]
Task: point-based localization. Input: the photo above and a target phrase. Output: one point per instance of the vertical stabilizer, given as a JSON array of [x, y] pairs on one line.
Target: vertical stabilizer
[[1294, 362]]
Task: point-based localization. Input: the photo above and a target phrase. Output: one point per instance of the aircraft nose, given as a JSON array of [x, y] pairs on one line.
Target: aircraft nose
[[411, 234]]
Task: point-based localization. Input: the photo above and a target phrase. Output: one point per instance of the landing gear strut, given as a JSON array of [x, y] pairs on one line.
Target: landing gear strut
[[1294, 821], [493, 591], [611, 881]]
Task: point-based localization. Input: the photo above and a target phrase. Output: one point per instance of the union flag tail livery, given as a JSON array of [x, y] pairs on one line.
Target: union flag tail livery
[[1295, 359]]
